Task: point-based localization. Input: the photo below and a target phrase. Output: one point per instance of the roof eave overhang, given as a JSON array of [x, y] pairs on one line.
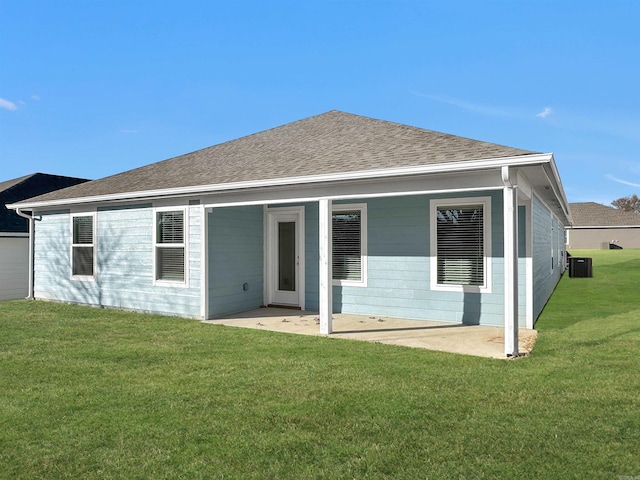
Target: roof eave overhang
[[452, 167], [553, 176]]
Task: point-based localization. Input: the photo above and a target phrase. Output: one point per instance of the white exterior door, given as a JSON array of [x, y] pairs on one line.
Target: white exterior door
[[285, 256]]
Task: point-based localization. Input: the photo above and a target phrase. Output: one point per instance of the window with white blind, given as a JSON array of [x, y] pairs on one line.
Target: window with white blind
[[349, 230], [170, 245], [82, 245], [460, 244]]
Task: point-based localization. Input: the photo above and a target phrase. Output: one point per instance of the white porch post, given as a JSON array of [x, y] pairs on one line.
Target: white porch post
[[204, 262], [510, 200], [326, 300]]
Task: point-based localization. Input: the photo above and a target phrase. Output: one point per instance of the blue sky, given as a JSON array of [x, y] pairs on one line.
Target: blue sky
[[93, 88]]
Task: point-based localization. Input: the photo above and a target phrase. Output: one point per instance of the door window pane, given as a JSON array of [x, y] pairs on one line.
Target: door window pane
[[287, 256]]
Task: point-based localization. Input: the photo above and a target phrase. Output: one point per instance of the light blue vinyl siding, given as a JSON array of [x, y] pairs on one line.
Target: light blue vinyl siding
[[312, 257], [522, 266], [398, 280], [235, 258], [398, 263], [548, 254], [124, 274]]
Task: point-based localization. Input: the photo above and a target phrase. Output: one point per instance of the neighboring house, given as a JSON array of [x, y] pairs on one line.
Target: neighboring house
[[599, 226], [332, 213], [14, 230]]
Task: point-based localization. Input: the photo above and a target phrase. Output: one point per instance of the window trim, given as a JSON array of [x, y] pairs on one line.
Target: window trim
[[362, 207], [93, 244], [485, 201], [185, 245]]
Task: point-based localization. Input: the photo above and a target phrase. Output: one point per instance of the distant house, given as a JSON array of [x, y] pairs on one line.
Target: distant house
[[332, 213], [599, 226], [14, 229]]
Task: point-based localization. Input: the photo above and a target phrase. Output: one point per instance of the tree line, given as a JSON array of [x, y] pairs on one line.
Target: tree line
[[628, 204]]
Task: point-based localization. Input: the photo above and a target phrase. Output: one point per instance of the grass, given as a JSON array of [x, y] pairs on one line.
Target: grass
[[90, 393]]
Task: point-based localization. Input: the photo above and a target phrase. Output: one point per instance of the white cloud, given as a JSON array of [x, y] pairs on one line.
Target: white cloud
[[35, 97], [128, 131], [7, 105], [545, 113], [466, 105], [623, 182]]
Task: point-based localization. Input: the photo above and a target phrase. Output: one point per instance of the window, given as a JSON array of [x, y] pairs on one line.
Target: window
[[82, 245], [170, 246], [460, 244], [349, 226]]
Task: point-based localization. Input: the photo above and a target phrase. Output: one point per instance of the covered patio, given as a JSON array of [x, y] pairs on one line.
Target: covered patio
[[481, 341]]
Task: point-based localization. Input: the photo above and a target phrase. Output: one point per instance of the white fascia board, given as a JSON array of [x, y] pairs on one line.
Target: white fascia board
[[515, 161]]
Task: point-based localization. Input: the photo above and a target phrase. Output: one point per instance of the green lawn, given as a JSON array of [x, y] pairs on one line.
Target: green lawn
[[89, 393]]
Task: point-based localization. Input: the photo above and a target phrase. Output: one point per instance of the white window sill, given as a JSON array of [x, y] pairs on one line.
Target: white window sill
[[83, 278], [349, 283]]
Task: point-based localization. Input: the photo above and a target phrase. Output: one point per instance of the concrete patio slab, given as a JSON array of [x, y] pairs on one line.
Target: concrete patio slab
[[446, 337]]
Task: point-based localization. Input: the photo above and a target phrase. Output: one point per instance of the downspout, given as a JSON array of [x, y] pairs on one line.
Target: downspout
[[31, 248]]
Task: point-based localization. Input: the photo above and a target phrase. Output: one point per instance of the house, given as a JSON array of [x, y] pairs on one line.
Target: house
[[598, 226], [14, 230], [332, 213]]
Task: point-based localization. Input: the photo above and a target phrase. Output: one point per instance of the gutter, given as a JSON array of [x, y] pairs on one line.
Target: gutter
[[31, 245]]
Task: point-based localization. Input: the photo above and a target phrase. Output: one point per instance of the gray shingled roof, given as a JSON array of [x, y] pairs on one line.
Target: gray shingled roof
[[331, 143], [591, 214]]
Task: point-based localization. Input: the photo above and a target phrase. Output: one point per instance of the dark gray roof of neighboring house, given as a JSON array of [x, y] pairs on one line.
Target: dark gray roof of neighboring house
[[591, 214], [331, 143], [18, 189], [7, 184]]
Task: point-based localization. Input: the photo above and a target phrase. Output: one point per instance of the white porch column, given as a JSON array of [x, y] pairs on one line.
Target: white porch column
[[326, 297], [510, 200], [204, 262]]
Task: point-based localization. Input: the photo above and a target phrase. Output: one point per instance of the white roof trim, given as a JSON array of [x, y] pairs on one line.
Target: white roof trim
[[520, 160]]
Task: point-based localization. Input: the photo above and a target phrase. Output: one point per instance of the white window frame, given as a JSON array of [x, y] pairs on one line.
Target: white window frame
[[185, 244], [362, 207], [93, 244], [486, 287]]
